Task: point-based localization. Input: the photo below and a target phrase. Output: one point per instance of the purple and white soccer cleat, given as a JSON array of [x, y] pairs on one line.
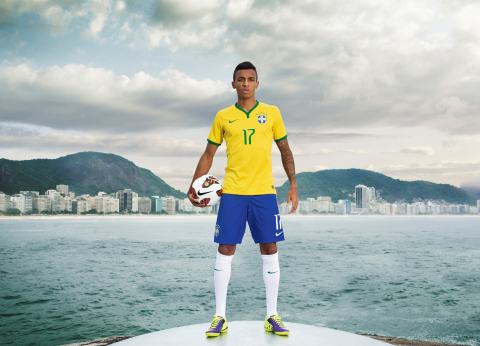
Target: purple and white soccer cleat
[[219, 325], [274, 324]]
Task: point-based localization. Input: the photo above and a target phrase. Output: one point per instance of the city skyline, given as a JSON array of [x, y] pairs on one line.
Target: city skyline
[[389, 87], [366, 201]]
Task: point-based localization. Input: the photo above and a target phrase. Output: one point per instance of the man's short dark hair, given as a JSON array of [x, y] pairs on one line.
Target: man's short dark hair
[[246, 65]]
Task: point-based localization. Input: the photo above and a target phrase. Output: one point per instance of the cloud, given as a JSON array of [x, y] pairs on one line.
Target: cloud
[[351, 78], [344, 151], [319, 168], [182, 172], [19, 130], [207, 38], [178, 13], [318, 137], [14, 135], [101, 10], [361, 64], [456, 172], [327, 65], [120, 6], [56, 14], [80, 97], [418, 150]]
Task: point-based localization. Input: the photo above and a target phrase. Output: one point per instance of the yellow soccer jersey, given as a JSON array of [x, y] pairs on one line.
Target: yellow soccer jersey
[[249, 139]]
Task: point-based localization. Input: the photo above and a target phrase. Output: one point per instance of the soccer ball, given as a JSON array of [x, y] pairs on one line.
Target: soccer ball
[[207, 190]]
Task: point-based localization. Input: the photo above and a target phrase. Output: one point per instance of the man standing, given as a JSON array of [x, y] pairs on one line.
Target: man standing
[[249, 195]]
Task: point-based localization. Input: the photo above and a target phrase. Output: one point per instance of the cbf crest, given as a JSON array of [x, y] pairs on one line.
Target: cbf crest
[[262, 119], [217, 230]]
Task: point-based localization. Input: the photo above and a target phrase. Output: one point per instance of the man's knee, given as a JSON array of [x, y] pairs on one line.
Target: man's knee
[[227, 250], [268, 248]]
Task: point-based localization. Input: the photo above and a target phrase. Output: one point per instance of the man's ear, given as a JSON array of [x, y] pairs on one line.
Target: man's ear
[[233, 85]]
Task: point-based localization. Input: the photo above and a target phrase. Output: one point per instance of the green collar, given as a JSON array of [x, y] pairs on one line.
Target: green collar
[[251, 110]]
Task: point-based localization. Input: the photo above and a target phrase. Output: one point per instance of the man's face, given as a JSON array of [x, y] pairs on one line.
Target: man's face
[[245, 83]]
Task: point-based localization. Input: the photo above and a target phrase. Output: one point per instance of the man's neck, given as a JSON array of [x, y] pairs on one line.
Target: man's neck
[[247, 104]]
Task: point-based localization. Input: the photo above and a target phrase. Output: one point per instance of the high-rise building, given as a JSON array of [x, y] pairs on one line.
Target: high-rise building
[[323, 204], [171, 205], [310, 205], [56, 200], [125, 199], [164, 203], [28, 203], [134, 202], [42, 203], [144, 205], [478, 206], [63, 189], [31, 193], [187, 206], [4, 202], [65, 204], [154, 199], [348, 205], [361, 198], [98, 203], [179, 204], [18, 202], [340, 207], [158, 204], [83, 205], [111, 205], [74, 207], [371, 194]]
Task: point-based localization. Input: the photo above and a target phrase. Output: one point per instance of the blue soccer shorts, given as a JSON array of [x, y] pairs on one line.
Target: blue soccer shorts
[[261, 213]]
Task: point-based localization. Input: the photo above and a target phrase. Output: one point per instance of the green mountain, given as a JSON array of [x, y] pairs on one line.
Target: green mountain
[[472, 189], [85, 172], [340, 183]]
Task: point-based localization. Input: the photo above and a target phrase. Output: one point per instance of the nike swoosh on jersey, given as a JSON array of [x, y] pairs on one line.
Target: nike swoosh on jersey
[[218, 270], [232, 121], [277, 234], [273, 272]]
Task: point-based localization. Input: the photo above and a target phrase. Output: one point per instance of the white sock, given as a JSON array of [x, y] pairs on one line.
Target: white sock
[[271, 277], [223, 269]]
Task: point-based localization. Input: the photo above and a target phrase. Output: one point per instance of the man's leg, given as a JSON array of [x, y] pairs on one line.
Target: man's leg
[[271, 275], [221, 276], [230, 228]]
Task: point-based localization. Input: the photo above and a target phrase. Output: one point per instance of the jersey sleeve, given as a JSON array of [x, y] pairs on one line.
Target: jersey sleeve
[[279, 131], [216, 132]]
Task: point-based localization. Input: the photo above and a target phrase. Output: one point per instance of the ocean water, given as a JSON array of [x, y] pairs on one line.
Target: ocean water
[[64, 279]]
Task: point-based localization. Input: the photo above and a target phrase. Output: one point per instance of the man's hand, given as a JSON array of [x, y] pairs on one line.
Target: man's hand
[[203, 167], [293, 196], [194, 201]]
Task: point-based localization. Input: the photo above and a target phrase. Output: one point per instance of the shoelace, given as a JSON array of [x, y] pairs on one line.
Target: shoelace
[[215, 322], [277, 319]]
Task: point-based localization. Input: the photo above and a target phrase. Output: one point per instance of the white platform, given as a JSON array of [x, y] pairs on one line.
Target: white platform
[[250, 333]]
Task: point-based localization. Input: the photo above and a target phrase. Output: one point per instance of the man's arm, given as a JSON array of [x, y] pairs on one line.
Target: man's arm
[[289, 166], [204, 165]]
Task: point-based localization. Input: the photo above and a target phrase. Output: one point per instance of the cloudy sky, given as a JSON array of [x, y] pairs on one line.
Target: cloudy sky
[[389, 86]]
